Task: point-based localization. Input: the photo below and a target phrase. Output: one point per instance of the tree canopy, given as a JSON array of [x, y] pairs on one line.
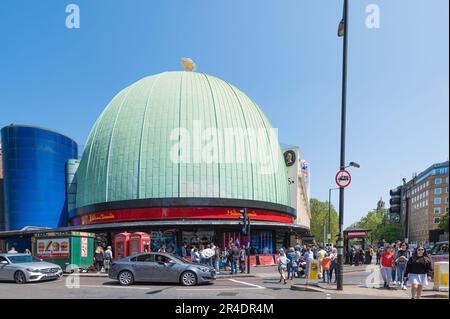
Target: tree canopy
[[319, 217]]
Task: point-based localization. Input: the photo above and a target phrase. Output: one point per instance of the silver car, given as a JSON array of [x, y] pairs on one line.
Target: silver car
[[23, 268], [160, 267]]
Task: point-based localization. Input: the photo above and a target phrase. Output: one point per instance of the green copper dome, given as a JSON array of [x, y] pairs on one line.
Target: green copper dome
[[130, 153]]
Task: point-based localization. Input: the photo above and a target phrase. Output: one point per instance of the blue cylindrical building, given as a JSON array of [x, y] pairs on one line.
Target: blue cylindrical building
[[34, 162]]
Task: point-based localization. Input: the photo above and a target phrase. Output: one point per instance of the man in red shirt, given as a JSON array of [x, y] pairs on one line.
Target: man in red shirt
[[386, 265]]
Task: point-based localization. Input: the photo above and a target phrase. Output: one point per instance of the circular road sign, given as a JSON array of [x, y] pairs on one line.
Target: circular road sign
[[343, 178]]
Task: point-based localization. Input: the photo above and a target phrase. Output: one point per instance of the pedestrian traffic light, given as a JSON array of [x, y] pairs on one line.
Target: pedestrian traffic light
[[395, 204], [243, 221]]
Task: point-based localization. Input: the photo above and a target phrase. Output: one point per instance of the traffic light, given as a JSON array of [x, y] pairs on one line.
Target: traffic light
[[244, 222], [395, 204]]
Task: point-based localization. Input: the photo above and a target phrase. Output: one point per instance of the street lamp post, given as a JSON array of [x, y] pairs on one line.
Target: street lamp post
[[340, 242], [329, 213]]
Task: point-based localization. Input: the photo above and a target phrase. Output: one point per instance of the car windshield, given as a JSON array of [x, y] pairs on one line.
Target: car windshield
[[440, 249], [22, 259]]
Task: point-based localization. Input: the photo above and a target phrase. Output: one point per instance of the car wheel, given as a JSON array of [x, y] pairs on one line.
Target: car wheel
[[126, 278], [188, 278], [19, 277]]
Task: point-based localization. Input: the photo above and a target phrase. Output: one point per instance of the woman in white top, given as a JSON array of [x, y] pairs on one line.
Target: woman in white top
[[282, 265]]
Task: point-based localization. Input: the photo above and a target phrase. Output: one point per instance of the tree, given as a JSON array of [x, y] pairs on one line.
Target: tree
[[443, 223], [319, 218], [380, 228]]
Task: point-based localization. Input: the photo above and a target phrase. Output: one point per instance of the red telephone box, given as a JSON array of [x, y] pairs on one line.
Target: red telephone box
[[139, 243], [121, 245]]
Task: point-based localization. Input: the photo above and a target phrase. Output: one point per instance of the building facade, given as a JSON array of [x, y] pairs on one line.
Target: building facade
[[148, 167], [2, 204], [425, 201], [34, 162]]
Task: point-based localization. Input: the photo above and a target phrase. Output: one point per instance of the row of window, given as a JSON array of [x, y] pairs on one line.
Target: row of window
[[437, 181], [437, 210], [424, 203]]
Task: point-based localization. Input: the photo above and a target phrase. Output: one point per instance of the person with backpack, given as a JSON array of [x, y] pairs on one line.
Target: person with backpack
[[292, 265], [99, 258], [233, 255], [401, 261], [418, 271], [108, 258], [333, 265]]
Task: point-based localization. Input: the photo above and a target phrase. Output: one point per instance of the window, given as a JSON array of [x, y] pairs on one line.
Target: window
[[437, 210], [438, 181], [446, 209], [438, 191], [436, 220], [146, 258], [446, 200], [437, 201]]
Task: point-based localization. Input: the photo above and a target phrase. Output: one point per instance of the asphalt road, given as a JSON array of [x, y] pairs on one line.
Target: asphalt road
[[265, 286]]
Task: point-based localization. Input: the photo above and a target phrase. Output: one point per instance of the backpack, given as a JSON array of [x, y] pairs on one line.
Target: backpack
[[326, 263]]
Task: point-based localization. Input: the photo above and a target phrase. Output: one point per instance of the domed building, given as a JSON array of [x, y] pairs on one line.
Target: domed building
[[178, 155]]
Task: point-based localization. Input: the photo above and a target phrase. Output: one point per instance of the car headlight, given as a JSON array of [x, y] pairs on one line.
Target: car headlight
[[204, 269], [31, 270]]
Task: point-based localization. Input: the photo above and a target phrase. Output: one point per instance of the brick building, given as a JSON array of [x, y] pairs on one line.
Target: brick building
[[427, 195]]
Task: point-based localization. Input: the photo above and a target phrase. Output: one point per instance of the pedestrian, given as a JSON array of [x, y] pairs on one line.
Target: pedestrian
[[184, 250], [242, 255], [395, 249], [233, 254], [308, 257], [99, 258], [386, 265], [209, 254], [162, 249], [292, 265], [418, 271], [108, 258], [320, 256], [195, 256], [217, 259], [333, 265], [283, 261], [27, 251], [379, 251], [371, 254], [12, 250], [192, 253], [401, 261], [325, 264]]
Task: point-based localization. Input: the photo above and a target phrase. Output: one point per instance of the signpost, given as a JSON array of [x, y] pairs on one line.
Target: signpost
[[343, 178]]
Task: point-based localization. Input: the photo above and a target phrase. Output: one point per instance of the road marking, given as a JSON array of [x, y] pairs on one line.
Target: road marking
[[219, 289], [246, 283]]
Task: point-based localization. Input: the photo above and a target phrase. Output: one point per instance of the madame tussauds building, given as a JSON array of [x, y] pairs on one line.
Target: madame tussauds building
[[178, 155]]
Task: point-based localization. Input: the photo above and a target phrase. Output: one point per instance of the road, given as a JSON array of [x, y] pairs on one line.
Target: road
[[264, 286]]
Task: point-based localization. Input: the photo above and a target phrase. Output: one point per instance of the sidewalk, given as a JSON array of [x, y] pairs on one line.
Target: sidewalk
[[394, 292]]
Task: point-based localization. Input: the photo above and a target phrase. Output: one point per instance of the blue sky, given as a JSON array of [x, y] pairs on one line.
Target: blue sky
[[284, 54]]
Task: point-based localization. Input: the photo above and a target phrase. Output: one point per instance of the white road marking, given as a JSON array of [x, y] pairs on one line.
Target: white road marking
[[246, 283], [218, 289]]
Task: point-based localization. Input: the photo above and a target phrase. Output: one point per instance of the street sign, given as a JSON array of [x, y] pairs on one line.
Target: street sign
[[343, 178]]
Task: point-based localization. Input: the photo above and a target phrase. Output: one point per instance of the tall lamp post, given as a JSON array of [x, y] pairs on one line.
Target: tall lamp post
[[343, 31], [329, 213]]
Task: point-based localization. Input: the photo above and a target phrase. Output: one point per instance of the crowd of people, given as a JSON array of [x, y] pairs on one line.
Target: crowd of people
[[294, 262], [400, 266]]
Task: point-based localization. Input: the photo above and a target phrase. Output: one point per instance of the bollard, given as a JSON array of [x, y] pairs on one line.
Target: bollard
[[441, 276]]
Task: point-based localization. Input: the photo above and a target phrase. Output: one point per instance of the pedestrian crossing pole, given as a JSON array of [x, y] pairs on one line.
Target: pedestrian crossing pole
[[342, 32]]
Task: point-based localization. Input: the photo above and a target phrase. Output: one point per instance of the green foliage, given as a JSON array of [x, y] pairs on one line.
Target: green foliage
[[380, 228], [319, 216], [443, 224]]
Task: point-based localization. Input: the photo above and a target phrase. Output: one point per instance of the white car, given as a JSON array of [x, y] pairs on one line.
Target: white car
[[23, 268]]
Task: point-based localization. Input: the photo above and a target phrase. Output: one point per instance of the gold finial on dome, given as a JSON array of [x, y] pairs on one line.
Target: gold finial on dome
[[188, 64]]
